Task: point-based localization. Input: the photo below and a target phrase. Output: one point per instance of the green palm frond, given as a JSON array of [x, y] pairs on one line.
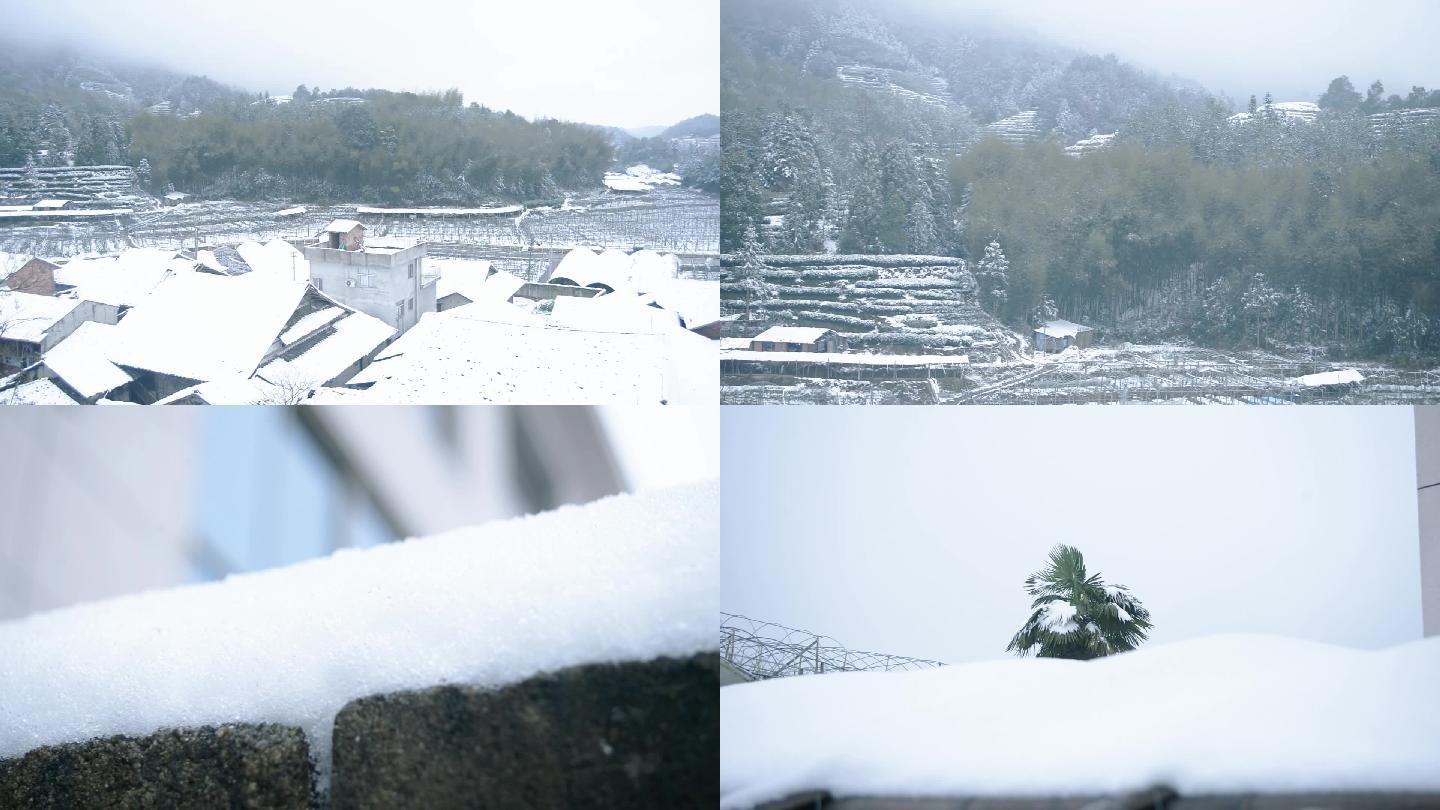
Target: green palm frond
[[1074, 614]]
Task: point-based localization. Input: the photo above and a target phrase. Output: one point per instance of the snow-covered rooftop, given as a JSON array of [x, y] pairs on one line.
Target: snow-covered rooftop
[[26, 317], [792, 334], [35, 392], [1344, 377], [353, 337], [342, 226], [492, 352], [611, 313], [1223, 714], [1061, 329], [292, 645], [204, 327], [640, 178], [122, 280], [82, 360]]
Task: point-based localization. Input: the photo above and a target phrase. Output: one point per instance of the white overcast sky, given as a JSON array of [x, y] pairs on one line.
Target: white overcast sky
[[911, 530], [627, 63], [1291, 47]]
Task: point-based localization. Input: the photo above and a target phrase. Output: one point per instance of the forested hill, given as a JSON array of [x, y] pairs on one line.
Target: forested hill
[[196, 135], [855, 101], [854, 126]]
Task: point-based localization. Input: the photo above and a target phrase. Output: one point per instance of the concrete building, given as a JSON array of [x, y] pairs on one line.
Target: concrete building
[[101, 502], [1427, 485], [797, 339], [383, 277]]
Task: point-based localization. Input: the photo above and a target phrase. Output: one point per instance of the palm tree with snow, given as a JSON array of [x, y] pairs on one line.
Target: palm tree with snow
[[1076, 615]]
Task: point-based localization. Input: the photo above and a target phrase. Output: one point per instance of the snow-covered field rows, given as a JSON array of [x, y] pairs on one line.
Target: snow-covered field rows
[[672, 220], [1161, 374]]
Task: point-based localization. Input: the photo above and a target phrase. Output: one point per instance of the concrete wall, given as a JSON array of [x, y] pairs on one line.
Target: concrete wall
[[396, 282], [1427, 482]]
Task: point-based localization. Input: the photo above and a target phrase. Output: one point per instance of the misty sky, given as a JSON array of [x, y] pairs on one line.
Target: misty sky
[[1291, 47], [627, 63], [911, 530]]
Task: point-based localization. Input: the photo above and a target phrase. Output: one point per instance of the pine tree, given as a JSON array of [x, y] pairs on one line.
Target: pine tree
[[750, 274], [993, 274], [1044, 311], [1076, 615], [1259, 302]]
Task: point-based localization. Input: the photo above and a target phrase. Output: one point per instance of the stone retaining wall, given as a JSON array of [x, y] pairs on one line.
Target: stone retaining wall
[[635, 735]]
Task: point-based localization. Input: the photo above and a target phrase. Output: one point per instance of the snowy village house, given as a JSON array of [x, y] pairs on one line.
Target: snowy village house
[[30, 325], [29, 274], [383, 279], [797, 339]]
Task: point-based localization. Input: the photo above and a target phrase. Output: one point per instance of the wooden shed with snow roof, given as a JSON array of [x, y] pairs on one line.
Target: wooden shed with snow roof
[[797, 339], [1059, 335]]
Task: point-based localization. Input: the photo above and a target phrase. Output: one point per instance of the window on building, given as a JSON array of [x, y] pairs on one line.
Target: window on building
[[320, 284], [399, 313], [412, 304], [411, 273]]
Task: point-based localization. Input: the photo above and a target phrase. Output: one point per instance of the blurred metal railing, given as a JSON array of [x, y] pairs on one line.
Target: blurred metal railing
[[763, 649]]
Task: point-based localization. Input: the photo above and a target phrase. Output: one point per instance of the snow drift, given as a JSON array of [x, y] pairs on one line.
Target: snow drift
[[626, 578], [1215, 715]]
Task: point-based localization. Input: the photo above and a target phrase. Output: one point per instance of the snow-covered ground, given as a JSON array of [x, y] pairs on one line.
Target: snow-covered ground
[[1158, 373], [1255, 714], [626, 578]]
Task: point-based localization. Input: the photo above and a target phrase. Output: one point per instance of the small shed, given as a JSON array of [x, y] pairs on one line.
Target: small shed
[[344, 234], [175, 198], [1059, 335], [797, 339], [51, 205]]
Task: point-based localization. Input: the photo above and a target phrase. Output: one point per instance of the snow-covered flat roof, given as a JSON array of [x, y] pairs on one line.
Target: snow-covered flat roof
[[26, 317], [292, 645], [1061, 328], [1223, 714], [1344, 377], [82, 360], [792, 334]]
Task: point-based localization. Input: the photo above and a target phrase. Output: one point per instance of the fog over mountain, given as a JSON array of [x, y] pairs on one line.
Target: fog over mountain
[[626, 63], [1289, 48]]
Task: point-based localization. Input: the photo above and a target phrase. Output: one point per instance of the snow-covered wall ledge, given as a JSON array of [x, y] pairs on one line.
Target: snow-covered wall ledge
[[515, 604], [1266, 721]]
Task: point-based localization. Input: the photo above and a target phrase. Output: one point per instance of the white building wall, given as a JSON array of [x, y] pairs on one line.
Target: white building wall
[[394, 296], [1427, 475], [94, 502]]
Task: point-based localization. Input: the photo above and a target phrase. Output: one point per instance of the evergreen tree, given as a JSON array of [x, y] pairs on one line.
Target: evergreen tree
[[1044, 311], [750, 273], [1341, 96], [993, 274], [1259, 303], [1074, 614]]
